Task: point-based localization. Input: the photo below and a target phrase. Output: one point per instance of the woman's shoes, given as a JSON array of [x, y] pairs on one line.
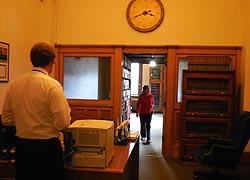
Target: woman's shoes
[[145, 141]]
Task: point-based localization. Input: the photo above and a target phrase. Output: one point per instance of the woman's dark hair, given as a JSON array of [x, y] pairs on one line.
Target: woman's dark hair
[[42, 54], [145, 87]]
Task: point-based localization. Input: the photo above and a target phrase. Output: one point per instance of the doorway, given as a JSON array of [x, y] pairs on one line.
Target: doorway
[[144, 73]]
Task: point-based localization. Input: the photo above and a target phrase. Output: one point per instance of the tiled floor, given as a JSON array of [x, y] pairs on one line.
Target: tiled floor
[[153, 166]]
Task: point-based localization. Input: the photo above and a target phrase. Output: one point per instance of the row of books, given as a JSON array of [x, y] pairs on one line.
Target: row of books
[[126, 93], [205, 124], [209, 63], [126, 63], [125, 84], [206, 128], [207, 107], [208, 85], [126, 73]]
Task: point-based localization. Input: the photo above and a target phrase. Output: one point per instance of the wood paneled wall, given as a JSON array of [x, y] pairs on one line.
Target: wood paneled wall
[[78, 112], [111, 109]]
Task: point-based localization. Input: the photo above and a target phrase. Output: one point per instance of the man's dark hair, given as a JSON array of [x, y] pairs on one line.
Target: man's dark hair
[[41, 54]]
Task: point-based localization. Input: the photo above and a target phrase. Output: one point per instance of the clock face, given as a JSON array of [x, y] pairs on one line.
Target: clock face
[[145, 15]]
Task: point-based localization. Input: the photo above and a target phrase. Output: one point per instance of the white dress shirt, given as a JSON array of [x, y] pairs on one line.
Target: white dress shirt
[[36, 105]]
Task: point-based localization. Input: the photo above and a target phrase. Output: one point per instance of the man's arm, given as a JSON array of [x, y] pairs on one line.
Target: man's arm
[[60, 109], [7, 113]]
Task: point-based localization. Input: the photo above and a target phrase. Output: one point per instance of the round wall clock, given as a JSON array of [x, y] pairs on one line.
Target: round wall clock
[[145, 15]]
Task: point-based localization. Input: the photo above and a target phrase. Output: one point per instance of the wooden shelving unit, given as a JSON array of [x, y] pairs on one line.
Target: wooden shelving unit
[[157, 86], [126, 89], [207, 108]]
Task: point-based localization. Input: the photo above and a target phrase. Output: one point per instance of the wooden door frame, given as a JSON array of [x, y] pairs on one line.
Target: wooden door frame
[[166, 129]]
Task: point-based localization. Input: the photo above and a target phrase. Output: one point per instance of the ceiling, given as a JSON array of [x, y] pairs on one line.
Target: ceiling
[[146, 58]]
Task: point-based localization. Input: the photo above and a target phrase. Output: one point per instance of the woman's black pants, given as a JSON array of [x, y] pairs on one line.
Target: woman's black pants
[[145, 120]]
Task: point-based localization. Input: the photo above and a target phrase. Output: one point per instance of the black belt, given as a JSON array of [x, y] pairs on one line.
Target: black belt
[[54, 139]]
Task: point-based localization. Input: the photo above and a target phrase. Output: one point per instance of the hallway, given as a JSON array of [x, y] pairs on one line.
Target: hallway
[[152, 165], [156, 133]]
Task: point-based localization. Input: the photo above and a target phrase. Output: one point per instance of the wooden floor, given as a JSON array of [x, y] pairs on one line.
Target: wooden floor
[[152, 165]]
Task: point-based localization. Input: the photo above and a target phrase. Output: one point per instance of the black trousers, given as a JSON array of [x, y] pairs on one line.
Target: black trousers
[[39, 159], [145, 120]]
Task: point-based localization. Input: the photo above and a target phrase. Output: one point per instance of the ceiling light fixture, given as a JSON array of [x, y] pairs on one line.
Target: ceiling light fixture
[[152, 64]]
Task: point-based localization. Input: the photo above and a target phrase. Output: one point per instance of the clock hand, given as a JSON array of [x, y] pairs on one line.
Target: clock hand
[[144, 13], [138, 15], [148, 13]]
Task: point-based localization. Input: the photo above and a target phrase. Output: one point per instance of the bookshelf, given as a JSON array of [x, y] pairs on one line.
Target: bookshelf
[[207, 108], [209, 63], [126, 89], [157, 86]]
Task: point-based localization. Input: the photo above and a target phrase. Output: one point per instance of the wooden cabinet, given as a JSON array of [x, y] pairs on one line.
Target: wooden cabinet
[[123, 166], [207, 108], [126, 89], [157, 86], [7, 169]]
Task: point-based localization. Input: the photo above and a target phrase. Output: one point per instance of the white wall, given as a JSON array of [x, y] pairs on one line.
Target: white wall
[[145, 74], [23, 23], [186, 22]]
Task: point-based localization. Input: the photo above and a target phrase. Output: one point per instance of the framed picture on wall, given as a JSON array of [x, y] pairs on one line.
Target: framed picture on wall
[[4, 62]]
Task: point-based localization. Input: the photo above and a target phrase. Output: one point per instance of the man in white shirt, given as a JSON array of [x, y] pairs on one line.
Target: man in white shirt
[[36, 105]]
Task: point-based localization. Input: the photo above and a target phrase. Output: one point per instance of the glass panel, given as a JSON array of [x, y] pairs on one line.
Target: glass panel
[[209, 63], [206, 128], [207, 106], [87, 77], [205, 84], [156, 72], [155, 90], [162, 97], [162, 73], [183, 65]]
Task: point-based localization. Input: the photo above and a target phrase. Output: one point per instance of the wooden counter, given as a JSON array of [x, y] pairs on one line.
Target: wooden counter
[[123, 166], [7, 169]]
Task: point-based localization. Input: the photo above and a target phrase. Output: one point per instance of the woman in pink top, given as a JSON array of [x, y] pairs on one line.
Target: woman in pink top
[[144, 109]]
